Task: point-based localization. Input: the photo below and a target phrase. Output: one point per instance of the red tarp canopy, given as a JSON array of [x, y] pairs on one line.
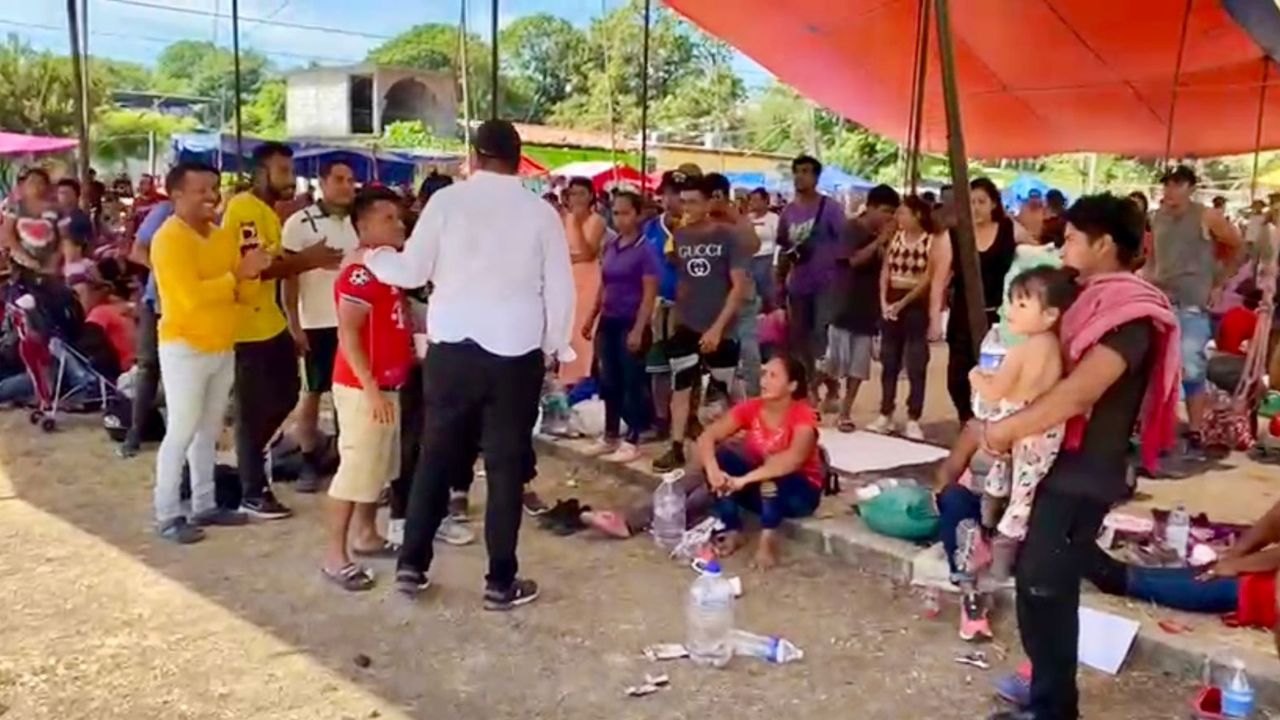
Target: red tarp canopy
[[19, 144], [1035, 76], [530, 167], [601, 173]]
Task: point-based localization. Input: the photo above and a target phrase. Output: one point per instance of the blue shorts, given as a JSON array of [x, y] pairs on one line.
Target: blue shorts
[[1197, 331]]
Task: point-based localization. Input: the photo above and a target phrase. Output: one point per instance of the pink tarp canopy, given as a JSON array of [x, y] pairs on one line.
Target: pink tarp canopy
[[1035, 76], [12, 144]]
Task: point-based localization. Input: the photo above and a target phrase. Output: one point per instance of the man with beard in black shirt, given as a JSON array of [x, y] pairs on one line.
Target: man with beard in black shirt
[[1100, 400]]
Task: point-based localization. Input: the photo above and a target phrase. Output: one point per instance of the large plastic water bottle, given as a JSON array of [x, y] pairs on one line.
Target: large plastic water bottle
[[766, 647], [1177, 531], [709, 618], [669, 511], [992, 351], [1237, 696]]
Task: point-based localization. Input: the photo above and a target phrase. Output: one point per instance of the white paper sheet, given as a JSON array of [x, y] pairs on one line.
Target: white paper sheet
[[864, 451], [1105, 639]]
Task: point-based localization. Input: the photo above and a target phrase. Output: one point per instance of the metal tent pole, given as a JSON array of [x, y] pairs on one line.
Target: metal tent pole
[[235, 49], [915, 125], [1257, 137], [962, 234], [1177, 78], [82, 126], [493, 60], [466, 84], [644, 99]]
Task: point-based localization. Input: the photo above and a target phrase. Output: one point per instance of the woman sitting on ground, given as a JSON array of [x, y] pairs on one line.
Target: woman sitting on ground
[[775, 470]]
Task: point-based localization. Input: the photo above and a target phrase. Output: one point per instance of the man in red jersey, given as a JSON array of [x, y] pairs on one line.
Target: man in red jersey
[[375, 353]]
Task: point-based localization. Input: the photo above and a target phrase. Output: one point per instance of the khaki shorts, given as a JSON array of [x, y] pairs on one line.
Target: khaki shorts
[[369, 452]]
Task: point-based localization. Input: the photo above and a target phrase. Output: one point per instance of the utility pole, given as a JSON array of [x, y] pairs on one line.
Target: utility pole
[[466, 92], [82, 123], [493, 60], [963, 243], [235, 48], [644, 100]]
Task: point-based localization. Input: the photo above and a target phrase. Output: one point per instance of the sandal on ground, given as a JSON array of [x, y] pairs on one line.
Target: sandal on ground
[[608, 522], [352, 577], [845, 425], [388, 549]]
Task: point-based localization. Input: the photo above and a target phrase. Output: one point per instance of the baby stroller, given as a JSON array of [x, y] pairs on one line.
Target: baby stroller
[[60, 374]]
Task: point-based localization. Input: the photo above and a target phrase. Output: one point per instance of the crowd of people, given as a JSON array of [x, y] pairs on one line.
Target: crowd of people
[[437, 323]]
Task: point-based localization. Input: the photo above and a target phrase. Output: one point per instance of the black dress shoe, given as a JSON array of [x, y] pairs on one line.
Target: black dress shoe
[[1013, 715]]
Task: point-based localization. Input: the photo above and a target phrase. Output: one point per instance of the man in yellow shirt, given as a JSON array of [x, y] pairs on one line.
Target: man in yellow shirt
[[200, 278], [267, 380]]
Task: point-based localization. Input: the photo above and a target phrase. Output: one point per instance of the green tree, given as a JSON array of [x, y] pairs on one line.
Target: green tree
[[202, 69], [413, 134], [119, 135], [37, 91], [264, 114], [541, 58]]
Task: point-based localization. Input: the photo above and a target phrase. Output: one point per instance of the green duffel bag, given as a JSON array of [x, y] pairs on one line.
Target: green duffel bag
[[906, 513]]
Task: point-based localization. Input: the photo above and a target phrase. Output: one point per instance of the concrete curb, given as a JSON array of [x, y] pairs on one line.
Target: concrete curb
[[846, 539]]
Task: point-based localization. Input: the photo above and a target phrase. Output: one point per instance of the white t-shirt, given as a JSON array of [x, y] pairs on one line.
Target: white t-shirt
[[309, 226], [767, 230]]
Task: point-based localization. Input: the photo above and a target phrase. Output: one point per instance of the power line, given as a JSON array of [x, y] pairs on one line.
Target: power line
[[169, 40], [255, 21]]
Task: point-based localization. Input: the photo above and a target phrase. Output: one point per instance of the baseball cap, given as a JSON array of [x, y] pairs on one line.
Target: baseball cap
[[672, 181], [1180, 174], [497, 139]]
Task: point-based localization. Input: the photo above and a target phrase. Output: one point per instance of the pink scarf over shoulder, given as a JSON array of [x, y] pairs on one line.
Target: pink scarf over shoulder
[[1105, 303]]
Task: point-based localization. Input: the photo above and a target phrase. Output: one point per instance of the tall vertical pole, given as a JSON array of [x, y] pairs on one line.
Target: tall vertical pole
[[1177, 79], [466, 83], [613, 118], [493, 60], [85, 61], [916, 123], [1257, 137], [962, 234], [644, 99], [235, 49], [82, 126]]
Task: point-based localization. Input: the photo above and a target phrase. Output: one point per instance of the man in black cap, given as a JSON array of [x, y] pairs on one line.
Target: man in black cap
[[502, 303], [1186, 268]]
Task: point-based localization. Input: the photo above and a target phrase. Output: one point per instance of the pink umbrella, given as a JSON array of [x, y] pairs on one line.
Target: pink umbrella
[[13, 144]]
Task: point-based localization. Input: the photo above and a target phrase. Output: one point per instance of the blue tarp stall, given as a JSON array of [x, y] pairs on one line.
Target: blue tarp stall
[[369, 165], [1021, 188], [835, 180]]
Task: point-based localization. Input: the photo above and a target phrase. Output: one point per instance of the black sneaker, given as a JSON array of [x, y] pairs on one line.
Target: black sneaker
[[180, 531], [459, 507], [266, 507], [411, 583], [533, 505], [220, 516], [520, 592], [128, 449], [672, 460]]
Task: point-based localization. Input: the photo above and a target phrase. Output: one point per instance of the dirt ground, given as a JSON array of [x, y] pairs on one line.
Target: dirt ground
[[103, 621]]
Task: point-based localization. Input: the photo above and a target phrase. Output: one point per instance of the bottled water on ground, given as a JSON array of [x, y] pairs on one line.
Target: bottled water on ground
[[1237, 695], [709, 618], [993, 351], [669, 510], [766, 647], [1177, 531]]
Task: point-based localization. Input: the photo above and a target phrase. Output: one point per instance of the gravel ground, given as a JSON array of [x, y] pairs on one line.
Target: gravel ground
[[103, 621]]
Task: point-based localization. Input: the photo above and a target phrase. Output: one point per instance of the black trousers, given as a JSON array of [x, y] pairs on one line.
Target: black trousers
[[474, 396], [267, 386], [147, 379], [411, 417], [961, 358], [905, 341], [1061, 547]]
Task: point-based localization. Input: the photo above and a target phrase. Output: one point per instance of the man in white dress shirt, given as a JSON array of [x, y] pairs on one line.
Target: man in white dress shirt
[[502, 303]]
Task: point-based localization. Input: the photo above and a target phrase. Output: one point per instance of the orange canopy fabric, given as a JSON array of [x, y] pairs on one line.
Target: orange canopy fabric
[[1035, 76], [530, 167]]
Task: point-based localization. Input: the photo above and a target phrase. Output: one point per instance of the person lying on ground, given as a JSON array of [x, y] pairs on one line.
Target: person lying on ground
[[777, 472]]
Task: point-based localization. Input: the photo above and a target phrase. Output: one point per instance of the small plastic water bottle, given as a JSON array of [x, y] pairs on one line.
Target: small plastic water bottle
[[1177, 531], [766, 647], [1237, 696], [709, 618], [992, 352], [669, 511]]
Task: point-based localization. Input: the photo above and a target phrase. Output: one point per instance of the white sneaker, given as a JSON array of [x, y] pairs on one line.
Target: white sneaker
[[452, 533], [625, 453], [913, 431], [882, 425], [600, 447]]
